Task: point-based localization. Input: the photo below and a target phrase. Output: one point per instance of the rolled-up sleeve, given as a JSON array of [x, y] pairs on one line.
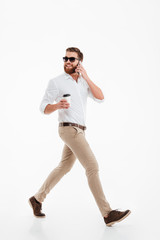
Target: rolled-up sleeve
[[50, 95], [90, 94]]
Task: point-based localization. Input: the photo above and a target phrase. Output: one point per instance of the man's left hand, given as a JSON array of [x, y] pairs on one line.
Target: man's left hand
[[81, 70]]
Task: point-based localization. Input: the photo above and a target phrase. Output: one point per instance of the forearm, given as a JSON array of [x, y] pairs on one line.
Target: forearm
[[50, 108], [96, 91]]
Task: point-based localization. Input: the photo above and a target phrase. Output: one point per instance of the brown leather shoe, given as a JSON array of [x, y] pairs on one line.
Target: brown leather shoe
[[115, 216], [36, 206]]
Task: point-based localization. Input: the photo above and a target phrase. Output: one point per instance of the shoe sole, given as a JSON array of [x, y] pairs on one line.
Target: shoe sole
[[33, 210], [111, 223]]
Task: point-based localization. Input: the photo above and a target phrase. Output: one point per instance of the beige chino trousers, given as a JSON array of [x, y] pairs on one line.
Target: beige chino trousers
[[76, 146]]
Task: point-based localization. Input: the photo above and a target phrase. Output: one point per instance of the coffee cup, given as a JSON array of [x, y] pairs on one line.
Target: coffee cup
[[68, 98]]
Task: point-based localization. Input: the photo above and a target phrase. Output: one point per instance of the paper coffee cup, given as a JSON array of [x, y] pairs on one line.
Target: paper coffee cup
[[68, 98]]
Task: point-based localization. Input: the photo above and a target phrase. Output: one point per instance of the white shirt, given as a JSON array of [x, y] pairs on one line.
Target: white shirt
[[79, 91]]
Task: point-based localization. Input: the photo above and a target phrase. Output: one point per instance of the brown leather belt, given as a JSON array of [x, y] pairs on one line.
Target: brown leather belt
[[72, 124]]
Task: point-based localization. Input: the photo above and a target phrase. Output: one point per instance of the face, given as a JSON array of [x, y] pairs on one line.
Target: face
[[69, 67]]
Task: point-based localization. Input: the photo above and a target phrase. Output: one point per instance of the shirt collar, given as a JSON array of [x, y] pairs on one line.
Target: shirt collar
[[67, 76]]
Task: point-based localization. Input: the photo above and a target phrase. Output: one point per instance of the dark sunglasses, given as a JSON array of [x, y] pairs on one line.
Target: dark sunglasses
[[71, 59]]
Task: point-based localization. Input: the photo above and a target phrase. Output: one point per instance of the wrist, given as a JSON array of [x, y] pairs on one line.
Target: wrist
[[87, 78], [56, 106]]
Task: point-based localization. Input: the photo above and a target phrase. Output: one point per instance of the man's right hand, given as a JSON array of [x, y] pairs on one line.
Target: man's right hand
[[63, 104]]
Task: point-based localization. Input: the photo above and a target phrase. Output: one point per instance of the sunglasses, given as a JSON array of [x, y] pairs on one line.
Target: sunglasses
[[71, 59]]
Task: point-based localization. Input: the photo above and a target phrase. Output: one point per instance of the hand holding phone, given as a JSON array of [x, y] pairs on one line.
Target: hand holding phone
[[78, 65]]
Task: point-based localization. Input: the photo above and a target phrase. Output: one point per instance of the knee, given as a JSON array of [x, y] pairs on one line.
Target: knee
[[93, 169], [65, 167], [68, 168]]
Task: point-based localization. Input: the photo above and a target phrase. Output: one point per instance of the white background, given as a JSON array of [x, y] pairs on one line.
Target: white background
[[120, 42]]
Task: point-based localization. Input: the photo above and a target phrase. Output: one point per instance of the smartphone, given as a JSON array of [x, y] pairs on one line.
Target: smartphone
[[78, 65]]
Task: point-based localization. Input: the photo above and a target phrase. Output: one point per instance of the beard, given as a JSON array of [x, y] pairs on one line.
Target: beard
[[70, 70]]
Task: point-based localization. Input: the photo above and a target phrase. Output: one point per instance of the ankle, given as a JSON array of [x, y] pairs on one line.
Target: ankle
[[37, 201]]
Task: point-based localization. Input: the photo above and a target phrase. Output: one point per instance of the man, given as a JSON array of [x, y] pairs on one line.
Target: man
[[74, 81]]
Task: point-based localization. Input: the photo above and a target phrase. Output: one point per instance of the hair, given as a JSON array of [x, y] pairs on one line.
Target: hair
[[74, 49]]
